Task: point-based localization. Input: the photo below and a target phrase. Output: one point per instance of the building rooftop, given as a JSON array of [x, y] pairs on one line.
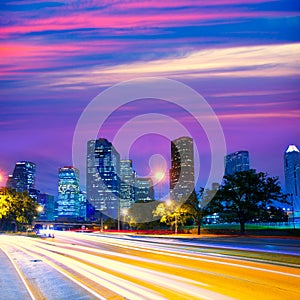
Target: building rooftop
[[292, 148]]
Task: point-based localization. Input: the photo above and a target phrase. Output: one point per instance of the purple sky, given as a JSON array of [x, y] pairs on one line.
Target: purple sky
[[241, 56]]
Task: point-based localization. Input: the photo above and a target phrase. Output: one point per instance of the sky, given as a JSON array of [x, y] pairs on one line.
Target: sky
[[241, 56]]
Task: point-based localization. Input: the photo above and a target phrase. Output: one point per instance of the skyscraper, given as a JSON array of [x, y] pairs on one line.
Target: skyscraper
[[103, 183], [47, 203], [236, 162], [23, 177], [144, 189], [68, 201], [127, 184], [182, 181], [292, 176]]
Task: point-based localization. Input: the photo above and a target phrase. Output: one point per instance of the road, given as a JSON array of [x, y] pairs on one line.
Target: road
[[89, 266]]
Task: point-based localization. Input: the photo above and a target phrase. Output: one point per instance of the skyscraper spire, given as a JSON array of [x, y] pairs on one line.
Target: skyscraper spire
[[292, 148]]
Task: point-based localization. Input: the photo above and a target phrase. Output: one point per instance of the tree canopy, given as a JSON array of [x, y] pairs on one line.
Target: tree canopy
[[246, 196], [196, 206], [140, 214], [16, 209], [171, 213]]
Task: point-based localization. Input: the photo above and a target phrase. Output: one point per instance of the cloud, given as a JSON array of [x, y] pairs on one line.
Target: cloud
[[258, 115], [129, 15], [253, 61]]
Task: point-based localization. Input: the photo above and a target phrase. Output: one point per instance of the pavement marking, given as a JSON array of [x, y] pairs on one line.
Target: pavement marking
[[20, 273], [53, 265]]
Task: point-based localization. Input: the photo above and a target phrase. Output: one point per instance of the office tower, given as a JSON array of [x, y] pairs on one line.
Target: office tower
[[90, 211], [83, 206], [23, 177], [10, 181], [236, 162], [103, 183], [292, 176], [34, 194], [68, 201], [182, 182], [46, 201], [144, 189], [127, 183]]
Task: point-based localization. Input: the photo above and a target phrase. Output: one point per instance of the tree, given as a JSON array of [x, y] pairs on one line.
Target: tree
[[196, 206], [16, 208], [171, 213], [140, 214], [245, 196], [274, 214]]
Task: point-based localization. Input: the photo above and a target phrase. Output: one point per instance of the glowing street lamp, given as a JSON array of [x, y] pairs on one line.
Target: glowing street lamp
[[40, 209], [169, 202], [159, 176]]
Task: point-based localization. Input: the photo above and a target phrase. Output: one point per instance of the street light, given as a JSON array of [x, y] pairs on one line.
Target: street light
[[159, 175], [40, 209]]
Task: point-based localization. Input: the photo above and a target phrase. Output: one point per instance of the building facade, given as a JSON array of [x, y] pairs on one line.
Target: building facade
[[236, 162], [23, 177], [68, 201], [46, 201], [103, 182], [144, 190], [127, 184], [182, 180], [292, 177]]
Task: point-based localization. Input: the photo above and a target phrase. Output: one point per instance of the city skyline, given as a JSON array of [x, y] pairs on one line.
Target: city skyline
[[241, 56], [234, 162]]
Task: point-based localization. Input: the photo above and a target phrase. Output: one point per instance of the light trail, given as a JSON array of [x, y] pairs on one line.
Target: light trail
[[182, 254], [132, 291], [133, 269], [109, 281]]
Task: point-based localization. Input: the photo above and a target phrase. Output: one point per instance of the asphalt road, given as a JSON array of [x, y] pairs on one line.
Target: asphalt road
[[87, 266]]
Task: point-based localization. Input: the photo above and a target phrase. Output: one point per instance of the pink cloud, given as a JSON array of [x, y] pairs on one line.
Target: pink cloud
[[18, 56], [164, 4], [103, 20], [294, 114], [180, 3]]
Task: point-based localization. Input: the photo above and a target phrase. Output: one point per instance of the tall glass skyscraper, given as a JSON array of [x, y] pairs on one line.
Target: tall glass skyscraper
[[103, 182], [182, 181], [236, 162], [292, 176], [23, 177], [127, 184], [68, 202], [47, 202], [144, 189]]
